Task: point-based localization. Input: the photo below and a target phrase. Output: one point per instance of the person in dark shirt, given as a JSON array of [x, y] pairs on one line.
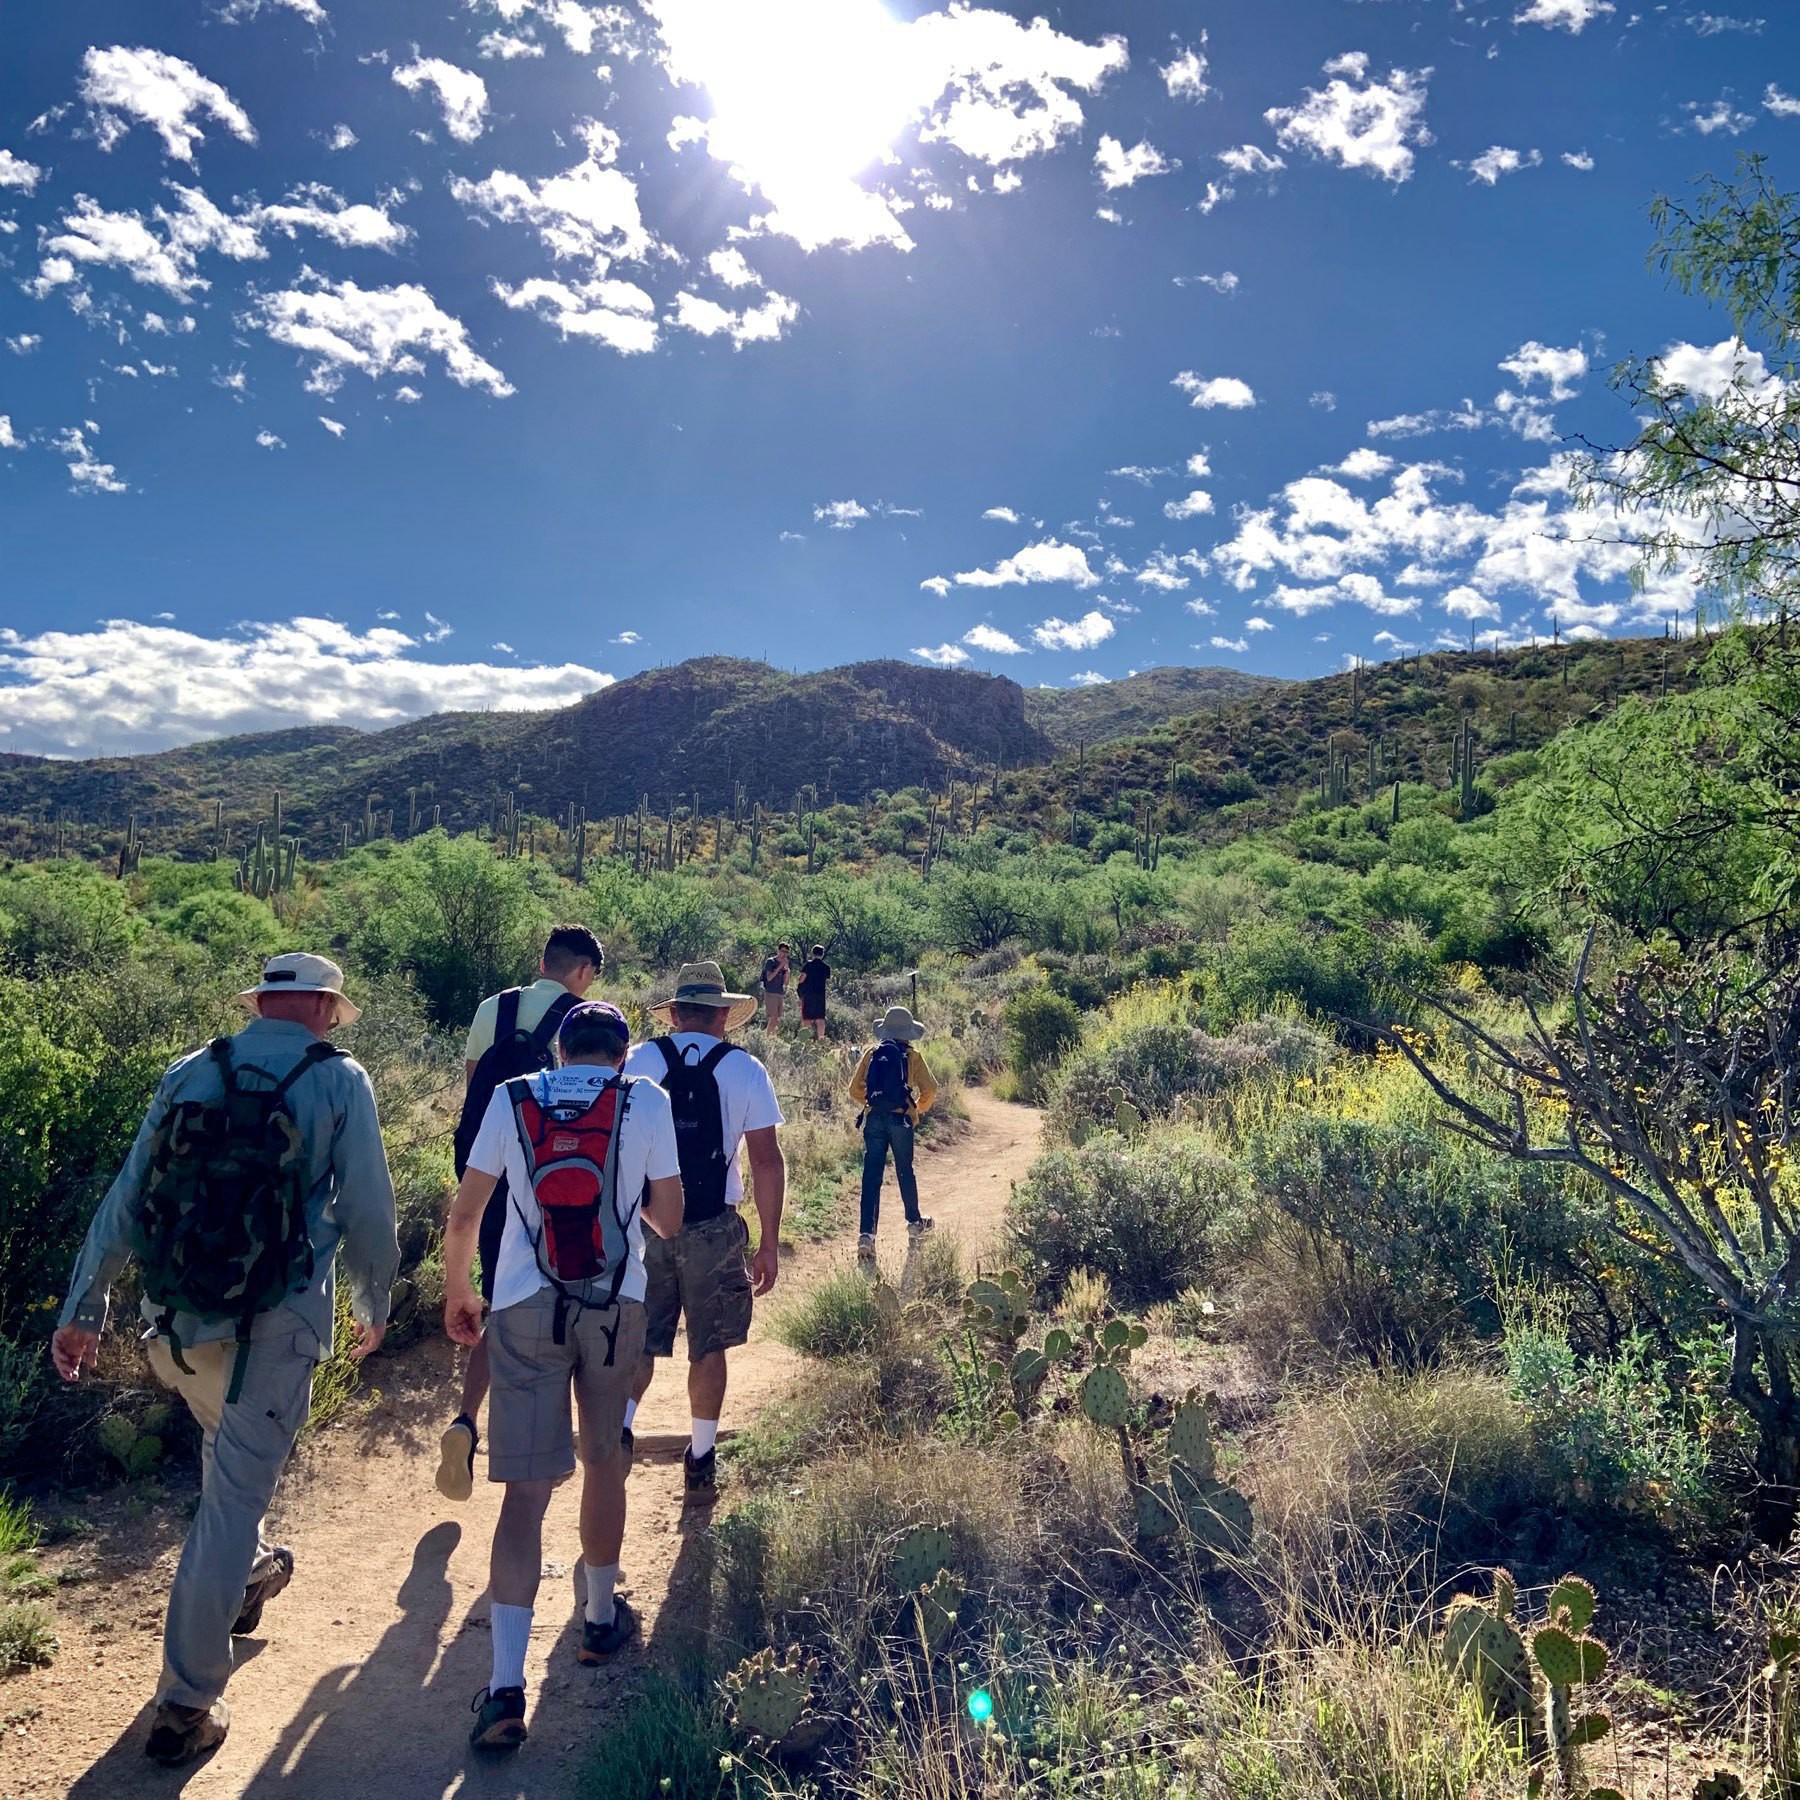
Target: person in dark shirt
[[815, 973], [774, 986]]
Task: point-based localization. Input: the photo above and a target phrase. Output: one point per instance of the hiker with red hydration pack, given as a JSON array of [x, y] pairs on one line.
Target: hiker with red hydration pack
[[513, 1033], [588, 1158], [259, 1156], [775, 972], [815, 976], [895, 1090], [721, 1096]]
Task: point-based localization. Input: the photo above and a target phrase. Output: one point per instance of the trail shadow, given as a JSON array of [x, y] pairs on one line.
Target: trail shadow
[[360, 1716]]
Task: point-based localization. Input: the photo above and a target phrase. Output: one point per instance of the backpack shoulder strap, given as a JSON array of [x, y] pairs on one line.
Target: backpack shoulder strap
[[551, 1022], [711, 1060], [220, 1050], [321, 1052], [506, 1014], [671, 1054]]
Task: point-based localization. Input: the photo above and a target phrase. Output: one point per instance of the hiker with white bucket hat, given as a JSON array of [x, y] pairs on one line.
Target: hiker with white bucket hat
[[895, 1089], [259, 1156]]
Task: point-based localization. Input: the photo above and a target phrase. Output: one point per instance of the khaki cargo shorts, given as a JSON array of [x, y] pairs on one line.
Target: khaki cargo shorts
[[699, 1275], [534, 1375]]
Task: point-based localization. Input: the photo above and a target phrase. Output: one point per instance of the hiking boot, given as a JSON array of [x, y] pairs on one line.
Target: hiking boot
[[700, 1477], [264, 1589], [919, 1226], [180, 1733], [601, 1643], [865, 1246], [456, 1459], [499, 1719]]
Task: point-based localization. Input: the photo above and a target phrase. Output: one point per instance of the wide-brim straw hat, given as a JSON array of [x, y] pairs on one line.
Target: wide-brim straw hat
[[300, 973], [703, 984], [897, 1022]]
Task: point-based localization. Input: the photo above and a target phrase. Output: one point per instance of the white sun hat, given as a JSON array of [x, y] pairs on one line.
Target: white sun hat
[[299, 972]]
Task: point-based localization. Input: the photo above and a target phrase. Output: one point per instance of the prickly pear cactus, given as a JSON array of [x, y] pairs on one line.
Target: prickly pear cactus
[[1028, 1371], [769, 1698], [1128, 1121], [999, 1306], [1191, 1435], [1488, 1653], [937, 1603], [1156, 1515], [1567, 1658], [920, 1555], [1219, 1518], [1058, 1345], [135, 1447], [1105, 1398]]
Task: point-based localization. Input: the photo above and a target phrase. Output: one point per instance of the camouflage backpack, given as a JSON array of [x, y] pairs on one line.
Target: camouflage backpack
[[222, 1232]]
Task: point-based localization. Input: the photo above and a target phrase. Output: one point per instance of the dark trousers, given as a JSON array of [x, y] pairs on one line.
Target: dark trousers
[[883, 1132]]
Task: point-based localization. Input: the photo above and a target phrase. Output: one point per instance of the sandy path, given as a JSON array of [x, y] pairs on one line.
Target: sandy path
[[375, 1651]]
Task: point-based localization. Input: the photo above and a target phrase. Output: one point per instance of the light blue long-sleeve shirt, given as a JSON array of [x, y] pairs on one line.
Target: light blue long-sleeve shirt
[[350, 1198]]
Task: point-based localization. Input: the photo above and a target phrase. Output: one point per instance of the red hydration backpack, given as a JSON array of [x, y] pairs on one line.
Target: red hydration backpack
[[572, 1150]]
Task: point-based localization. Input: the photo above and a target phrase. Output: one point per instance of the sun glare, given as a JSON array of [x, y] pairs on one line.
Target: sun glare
[[806, 95]]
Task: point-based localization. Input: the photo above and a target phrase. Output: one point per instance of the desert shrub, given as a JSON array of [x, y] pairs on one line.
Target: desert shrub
[[1615, 1436], [1389, 1236], [837, 1317], [1145, 1216], [27, 1635], [666, 1743], [1162, 1062], [1042, 1027], [24, 1383], [1365, 1478], [64, 918]]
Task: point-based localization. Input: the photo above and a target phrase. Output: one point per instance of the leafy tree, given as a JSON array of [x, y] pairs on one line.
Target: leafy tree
[[978, 909]]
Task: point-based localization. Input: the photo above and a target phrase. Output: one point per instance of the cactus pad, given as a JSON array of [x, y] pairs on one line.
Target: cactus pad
[[1590, 1728], [1155, 1513], [1028, 1371], [936, 1603], [1566, 1659], [1058, 1345], [1116, 1335], [1572, 1604], [1191, 1438], [768, 1698], [1220, 1519], [1506, 1594], [1105, 1398], [920, 1555], [1488, 1653]]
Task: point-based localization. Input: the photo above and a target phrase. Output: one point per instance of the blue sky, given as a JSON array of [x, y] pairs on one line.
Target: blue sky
[[362, 361]]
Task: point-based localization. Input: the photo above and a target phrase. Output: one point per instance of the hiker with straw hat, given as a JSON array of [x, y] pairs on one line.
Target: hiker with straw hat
[[721, 1096], [895, 1090], [260, 1156]]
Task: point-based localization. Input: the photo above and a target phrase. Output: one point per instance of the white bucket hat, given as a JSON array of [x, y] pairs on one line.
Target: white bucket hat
[[301, 973], [897, 1022]]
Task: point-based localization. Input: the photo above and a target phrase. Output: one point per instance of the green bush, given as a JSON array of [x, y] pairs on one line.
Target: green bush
[[1146, 1215], [27, 1635], [836, 1318], [1042, 1027], [1161, 1063]]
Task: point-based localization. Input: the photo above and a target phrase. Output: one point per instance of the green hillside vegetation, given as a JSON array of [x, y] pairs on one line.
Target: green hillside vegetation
[[1112, 709]]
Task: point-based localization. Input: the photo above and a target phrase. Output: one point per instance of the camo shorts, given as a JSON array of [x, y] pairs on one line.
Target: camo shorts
[[699, 1276]]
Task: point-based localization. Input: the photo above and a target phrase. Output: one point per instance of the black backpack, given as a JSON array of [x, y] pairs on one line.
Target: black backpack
[[513, 1052], [222, 1232], [885, 1084], [693, 1090]]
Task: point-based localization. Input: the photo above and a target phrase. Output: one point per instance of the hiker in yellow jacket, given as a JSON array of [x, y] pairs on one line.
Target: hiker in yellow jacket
[[895, 1090]]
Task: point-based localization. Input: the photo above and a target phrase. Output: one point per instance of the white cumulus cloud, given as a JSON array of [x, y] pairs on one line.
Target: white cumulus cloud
[[1184, 75], [995, 642], [1003, 514], [616, 313], [142, 688], [1073, 634], [1217, 390], [1569, 15], [461, 94], [1498, 160], [1122, 168], [1722, 114], [1048, 561], [1358, 121], [760, 324], [16, 172], [1191, 506], [121, 86], [946, 656]]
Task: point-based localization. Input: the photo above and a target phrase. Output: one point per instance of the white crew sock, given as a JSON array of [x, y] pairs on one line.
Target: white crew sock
[[600, 1584], [706, 1434], [630, 1413], [510, 1628]]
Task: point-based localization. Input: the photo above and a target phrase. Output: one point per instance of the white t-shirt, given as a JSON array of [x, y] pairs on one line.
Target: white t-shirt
[[746, 1094], [646, 1153]]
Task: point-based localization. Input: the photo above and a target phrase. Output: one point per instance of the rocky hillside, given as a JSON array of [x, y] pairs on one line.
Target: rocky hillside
[[1117, 709]]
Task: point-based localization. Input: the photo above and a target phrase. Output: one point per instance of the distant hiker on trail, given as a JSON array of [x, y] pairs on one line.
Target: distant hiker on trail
[[588, 1158], [721, 1096], [775, 973], [258, 1156], [512, 1034], [895, 1090], [815, 973]]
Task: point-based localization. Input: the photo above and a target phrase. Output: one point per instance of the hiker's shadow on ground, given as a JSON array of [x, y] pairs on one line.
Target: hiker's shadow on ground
[[350, 1719]]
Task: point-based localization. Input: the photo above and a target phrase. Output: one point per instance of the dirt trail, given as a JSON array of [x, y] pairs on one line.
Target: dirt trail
[[374, 1653]]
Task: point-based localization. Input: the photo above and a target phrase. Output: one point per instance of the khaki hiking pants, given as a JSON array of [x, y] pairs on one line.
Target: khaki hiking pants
[[244, 1448]]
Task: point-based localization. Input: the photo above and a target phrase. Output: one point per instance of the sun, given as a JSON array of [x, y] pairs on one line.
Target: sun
[[806, 95]]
